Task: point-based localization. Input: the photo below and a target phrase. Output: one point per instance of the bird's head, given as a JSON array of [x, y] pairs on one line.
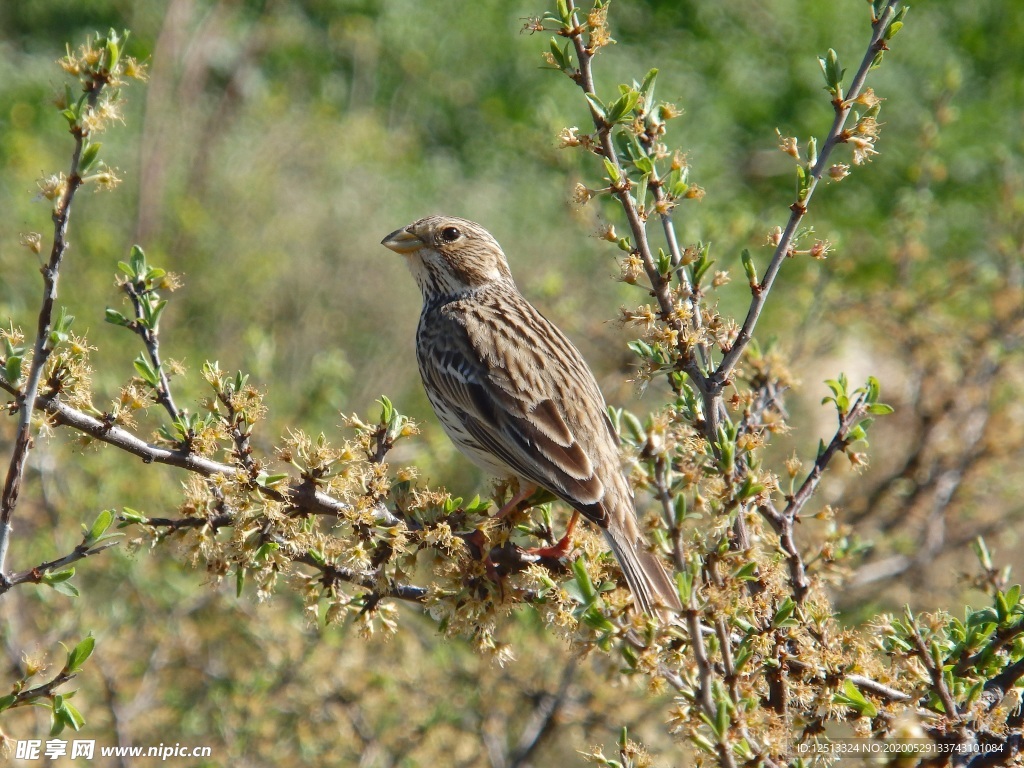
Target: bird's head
[[449, 256]]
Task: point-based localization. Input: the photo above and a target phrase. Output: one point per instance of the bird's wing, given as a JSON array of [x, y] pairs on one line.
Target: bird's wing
[[503, 377]]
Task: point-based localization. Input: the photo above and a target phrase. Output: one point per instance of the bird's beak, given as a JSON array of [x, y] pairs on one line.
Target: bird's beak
[[402, 241]]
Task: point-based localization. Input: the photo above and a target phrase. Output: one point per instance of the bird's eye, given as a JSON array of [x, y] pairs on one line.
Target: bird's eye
[[450, 234]]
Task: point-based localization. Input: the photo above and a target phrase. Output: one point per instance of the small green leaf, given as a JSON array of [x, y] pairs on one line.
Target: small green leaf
[[645, 165], [264, 480], [146, 371], [783, 616], [56, 577], [137, 258], [622, 106], [131, 516], [647, 89], [597, 107], [594, 619], [100, 525], [113, 53], [78, 655], [612, 171], [89, 155], [66, 588], [748, 267], [266, 549], [57, 721], [317, 557], [557, 54], [880, 409], [586, 586], [12, 369], [832, 71], [114, 317]]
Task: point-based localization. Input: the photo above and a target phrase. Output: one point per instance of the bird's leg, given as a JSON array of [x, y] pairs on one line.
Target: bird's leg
[[563, 546], [525, 491]]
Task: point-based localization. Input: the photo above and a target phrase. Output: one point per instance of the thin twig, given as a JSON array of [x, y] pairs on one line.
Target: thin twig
[[36, 575], [150, 339], [45, 691], [660, 284], [42, 347], [718, 380], [934, 671], [838, 442]]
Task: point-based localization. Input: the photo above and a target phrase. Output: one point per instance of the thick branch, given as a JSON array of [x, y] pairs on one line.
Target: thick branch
[[300, 494]]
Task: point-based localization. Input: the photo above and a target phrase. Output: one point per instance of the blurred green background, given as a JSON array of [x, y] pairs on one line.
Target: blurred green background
[[274, 146]]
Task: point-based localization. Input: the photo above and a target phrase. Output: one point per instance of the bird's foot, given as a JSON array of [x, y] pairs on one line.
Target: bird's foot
[[560, 549]]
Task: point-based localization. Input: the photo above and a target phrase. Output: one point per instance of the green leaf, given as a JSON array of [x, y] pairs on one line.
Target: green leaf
[[12, 369], [647, 89], [557, 53], [645, 165], [56, 577], [101, 524], [114, 317], [7, 701], [66, 588], [612, 171], [622, 106], [784, 615], [640, 195], [748, 266], [597, 107], [113, 53], [264, 480], [78, 655], [852, 696], [137, 258], [317, 556], [983, 554], [146, 371], [89, 155], [880, 409], [72, 716], [266, 549], [684, 585], [832, 71], [586, 586], [131, 516], [57, 721], [594, 619]]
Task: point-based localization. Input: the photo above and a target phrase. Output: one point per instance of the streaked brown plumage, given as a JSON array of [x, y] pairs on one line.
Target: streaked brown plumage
[[514, 394]]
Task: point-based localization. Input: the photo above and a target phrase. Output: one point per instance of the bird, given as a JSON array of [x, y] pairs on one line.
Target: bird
[[516, 397]]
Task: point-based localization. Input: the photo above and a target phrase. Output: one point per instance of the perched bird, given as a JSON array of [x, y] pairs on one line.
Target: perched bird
[[515, 395]]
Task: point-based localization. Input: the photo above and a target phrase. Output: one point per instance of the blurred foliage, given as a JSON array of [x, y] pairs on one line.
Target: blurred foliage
[[274, 146]]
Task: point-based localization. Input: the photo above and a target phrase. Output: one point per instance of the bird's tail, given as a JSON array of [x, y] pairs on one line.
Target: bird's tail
[[652, 587]]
